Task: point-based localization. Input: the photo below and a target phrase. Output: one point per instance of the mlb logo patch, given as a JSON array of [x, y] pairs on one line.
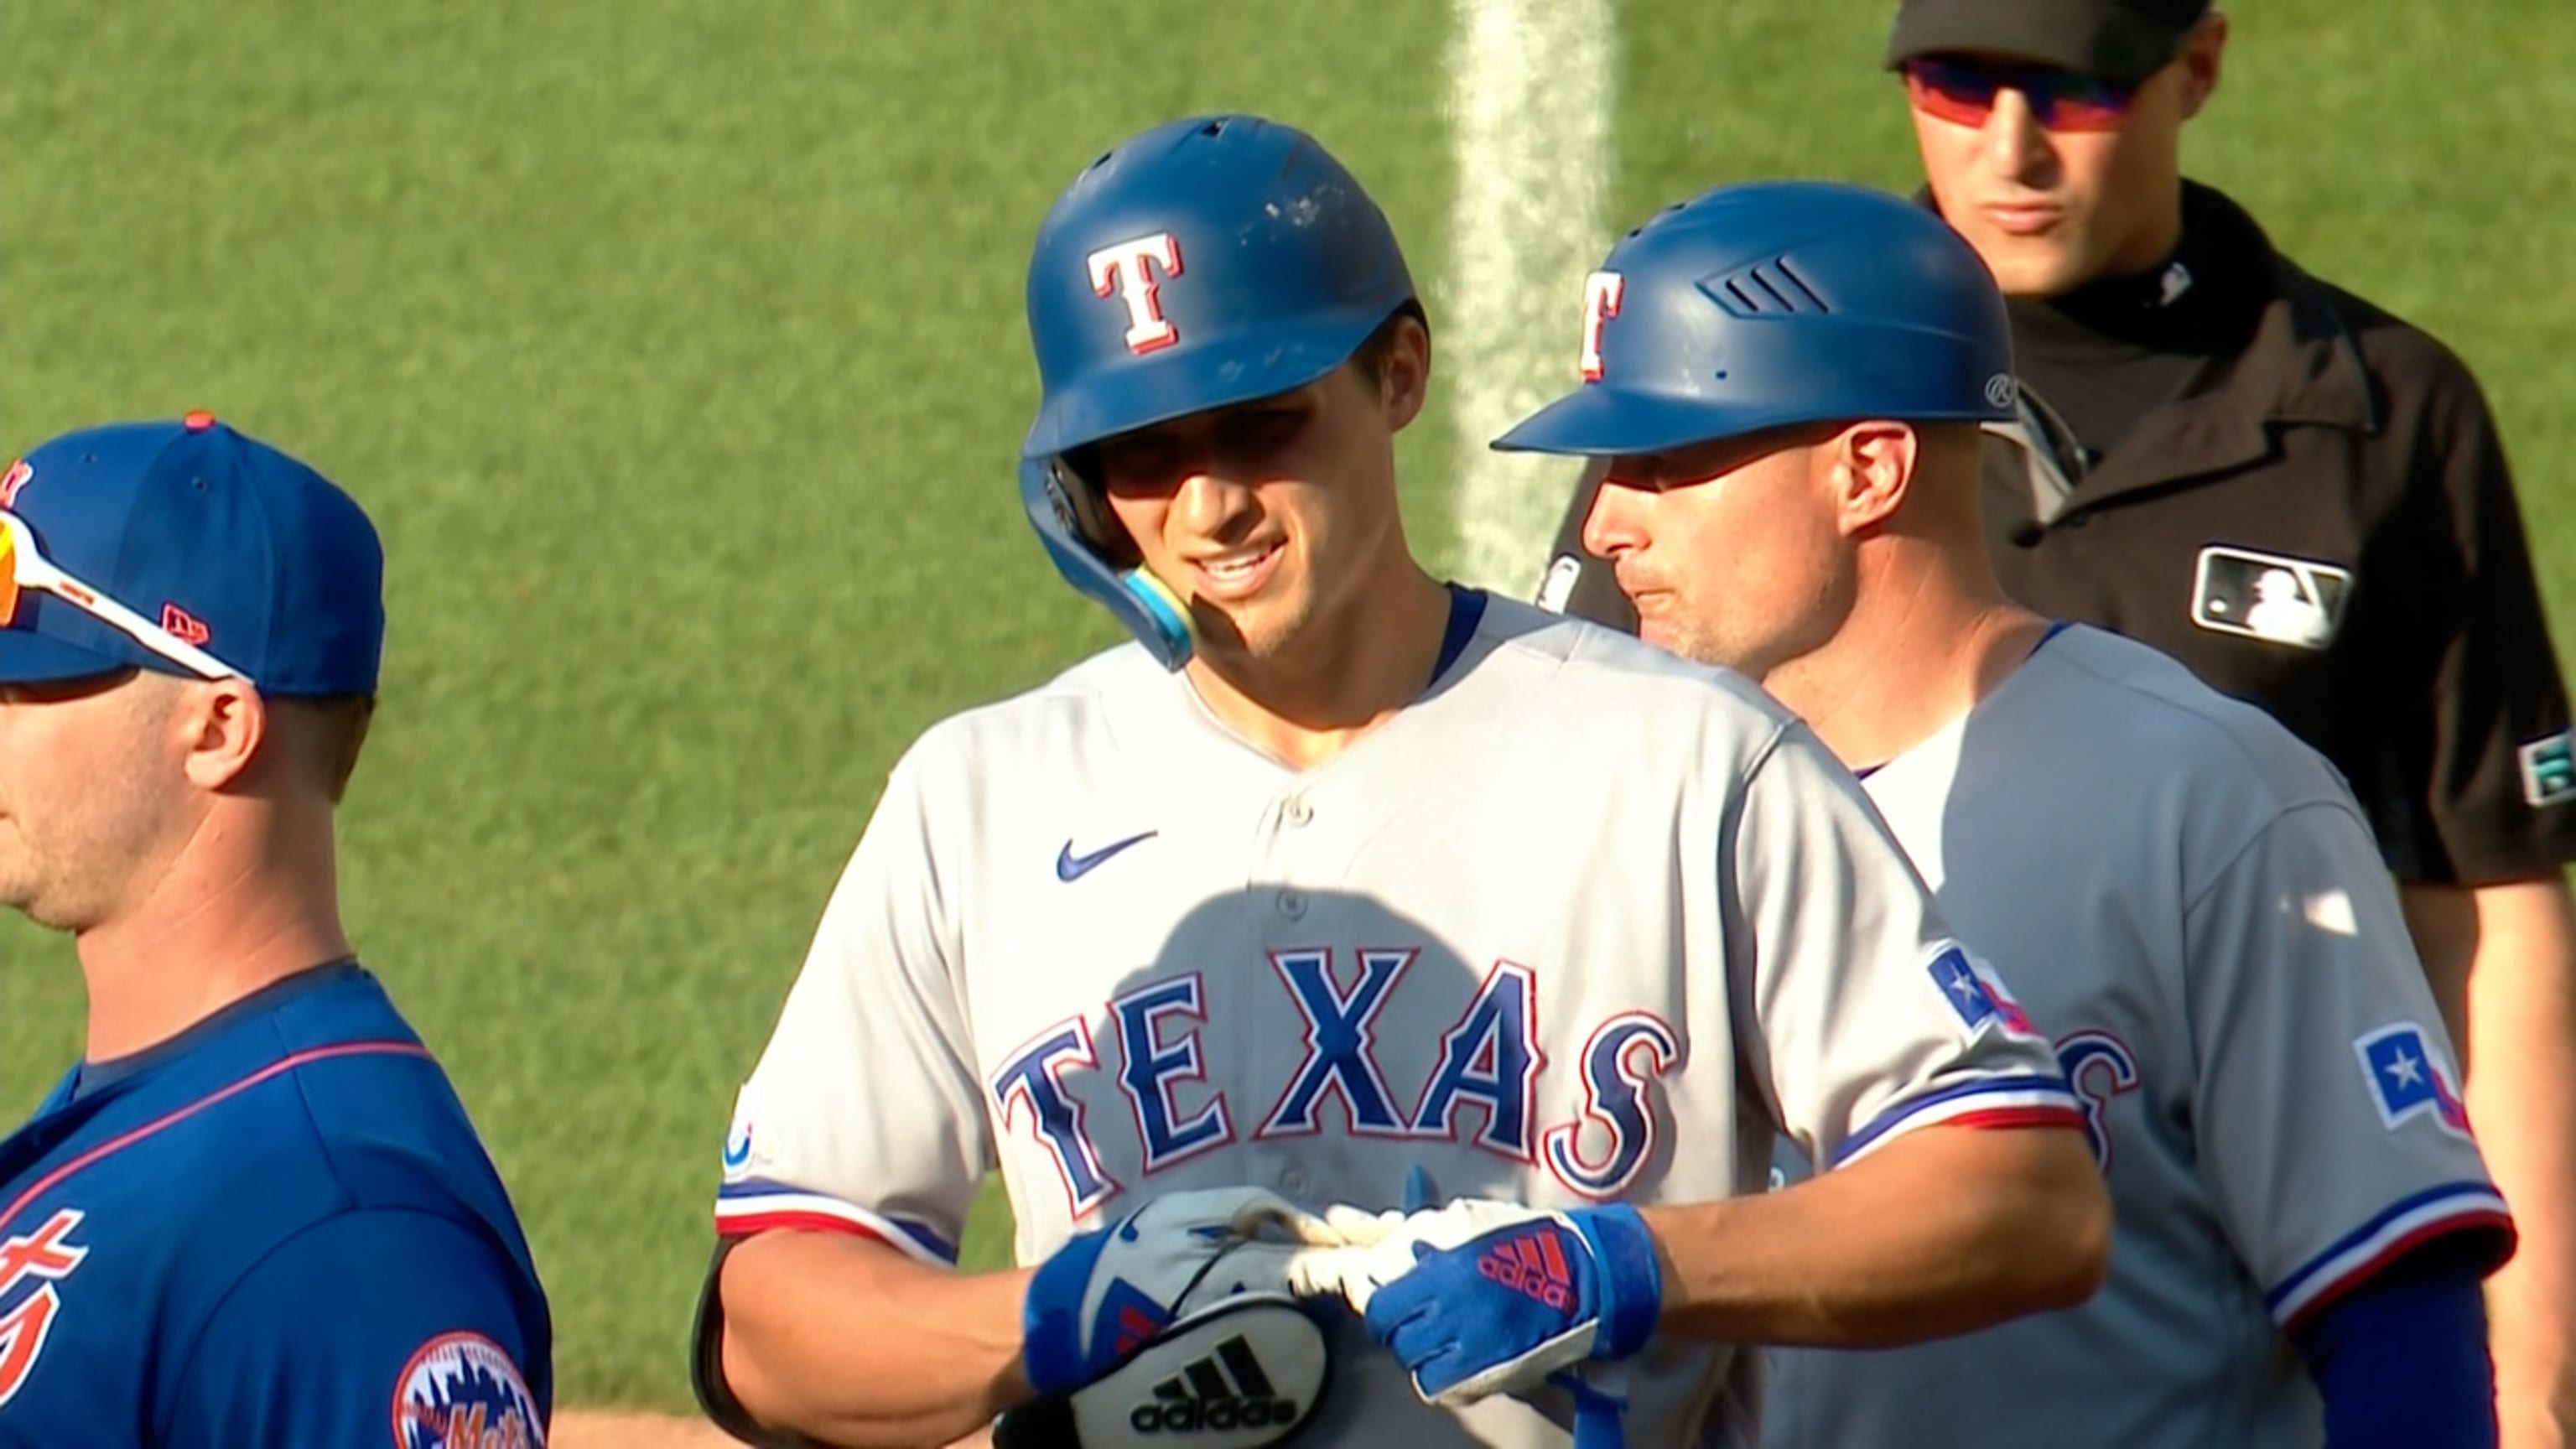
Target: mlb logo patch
[[2272, 597], [2409, 1079], [2548, 770], [1976, 995]]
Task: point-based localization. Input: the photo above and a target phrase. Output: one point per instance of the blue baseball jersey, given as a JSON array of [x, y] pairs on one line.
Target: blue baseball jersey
[[277, 1228]]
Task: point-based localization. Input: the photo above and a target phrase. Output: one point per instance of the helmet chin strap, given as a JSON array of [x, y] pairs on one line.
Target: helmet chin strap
[[1150, 608]]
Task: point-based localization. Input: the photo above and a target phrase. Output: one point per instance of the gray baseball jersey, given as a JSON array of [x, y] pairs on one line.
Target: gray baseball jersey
[[1584, 922], [2190, 904]]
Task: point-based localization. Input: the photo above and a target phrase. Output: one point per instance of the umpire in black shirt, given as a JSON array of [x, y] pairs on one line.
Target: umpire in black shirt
[[2301, 497]]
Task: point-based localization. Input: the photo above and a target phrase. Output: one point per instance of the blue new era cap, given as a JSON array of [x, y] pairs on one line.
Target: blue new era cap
[[223, 541]]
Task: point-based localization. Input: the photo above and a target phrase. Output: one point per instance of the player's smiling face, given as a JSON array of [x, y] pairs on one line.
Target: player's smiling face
[[1274, 517], [80, 817], [1729, 550]]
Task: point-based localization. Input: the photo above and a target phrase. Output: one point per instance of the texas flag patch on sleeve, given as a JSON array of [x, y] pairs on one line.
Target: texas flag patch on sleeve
[[2410, 1079], [1977, 994], [462, 1391]]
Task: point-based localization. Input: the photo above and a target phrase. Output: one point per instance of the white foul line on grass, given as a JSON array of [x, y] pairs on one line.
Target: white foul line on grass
[[1529, 92]]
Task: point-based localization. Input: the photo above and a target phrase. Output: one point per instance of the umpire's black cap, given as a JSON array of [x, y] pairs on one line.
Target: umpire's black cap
[[2112, 40]]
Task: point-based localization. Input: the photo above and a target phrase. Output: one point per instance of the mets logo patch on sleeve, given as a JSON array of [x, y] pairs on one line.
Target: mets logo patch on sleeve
[[460, 1391]]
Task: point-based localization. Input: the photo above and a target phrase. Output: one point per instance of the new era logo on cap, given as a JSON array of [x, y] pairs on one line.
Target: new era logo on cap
[[183, 625]]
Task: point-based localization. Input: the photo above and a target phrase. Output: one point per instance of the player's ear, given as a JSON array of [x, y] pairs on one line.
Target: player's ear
[[1871, 469], [2202, 52], [222, 724], [1403, 368]]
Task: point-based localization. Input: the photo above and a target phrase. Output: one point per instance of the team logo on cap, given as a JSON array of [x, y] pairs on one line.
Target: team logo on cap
[[1126, 270], [18, 476], [460, 1391], [46, 1257], [1602, 293]]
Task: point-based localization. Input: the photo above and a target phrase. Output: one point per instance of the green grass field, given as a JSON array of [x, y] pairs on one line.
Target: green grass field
[[676, 349]]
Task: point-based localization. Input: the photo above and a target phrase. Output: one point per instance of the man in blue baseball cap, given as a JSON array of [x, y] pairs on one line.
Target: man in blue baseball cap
[[255, 1211]]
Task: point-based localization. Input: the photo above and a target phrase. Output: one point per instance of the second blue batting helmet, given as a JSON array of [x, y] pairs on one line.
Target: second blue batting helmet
[[1777, 303], [1206, 262]]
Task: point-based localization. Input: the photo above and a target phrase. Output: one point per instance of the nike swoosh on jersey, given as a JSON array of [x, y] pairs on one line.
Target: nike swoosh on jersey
[[1069, 866]]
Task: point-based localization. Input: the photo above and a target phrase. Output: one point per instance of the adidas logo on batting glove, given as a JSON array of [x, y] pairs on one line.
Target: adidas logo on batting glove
[[1479, 1298], [1107, 1292]]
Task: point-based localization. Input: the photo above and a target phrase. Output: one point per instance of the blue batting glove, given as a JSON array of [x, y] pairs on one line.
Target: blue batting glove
[[1102, 1295], [1479, 1297]]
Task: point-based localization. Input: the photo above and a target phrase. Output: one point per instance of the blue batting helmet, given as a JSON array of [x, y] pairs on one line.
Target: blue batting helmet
[[1766, 305], [1206, 262]]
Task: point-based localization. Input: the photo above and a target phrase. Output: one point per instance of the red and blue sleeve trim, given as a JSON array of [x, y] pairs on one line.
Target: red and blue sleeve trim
[[2405, 1224], [2029, 1100], [757, 1206]]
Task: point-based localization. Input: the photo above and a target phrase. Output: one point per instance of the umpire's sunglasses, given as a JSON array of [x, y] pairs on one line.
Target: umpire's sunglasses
[[23, 567], [1963, 93]]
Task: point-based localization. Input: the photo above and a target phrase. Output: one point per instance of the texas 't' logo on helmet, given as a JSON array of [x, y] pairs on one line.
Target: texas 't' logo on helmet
[[1126, 270], [1602, 292]]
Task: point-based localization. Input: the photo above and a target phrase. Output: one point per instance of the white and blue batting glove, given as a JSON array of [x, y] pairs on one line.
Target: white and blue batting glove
[[1478, 1298], [1103, 1294]]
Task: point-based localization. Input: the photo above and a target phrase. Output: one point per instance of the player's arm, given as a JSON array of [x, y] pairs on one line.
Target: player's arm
[[2503, 959], [1957, 1187], [1944, 1230], [2402, 1360], [2331, 1132], [847, 1341], [369, 1323], [2495, 929], [852, 1342], [834, 1309], [1962, 1192]]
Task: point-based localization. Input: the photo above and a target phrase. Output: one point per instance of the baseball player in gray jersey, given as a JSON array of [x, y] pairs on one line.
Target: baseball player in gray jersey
[[1340, 885], [1788, 380]]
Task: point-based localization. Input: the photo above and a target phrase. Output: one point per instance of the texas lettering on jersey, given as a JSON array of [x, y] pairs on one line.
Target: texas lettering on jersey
[[45, 1258], [1485, 1080]]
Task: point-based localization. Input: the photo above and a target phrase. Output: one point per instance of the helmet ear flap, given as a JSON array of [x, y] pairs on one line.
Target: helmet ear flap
[[1158, 617], [1073, 486]]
